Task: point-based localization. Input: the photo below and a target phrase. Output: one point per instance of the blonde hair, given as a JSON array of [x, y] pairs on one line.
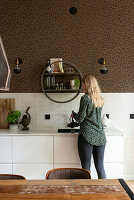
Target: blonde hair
[[93, 90]]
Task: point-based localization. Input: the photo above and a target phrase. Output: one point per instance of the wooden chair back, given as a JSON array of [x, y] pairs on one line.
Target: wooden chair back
[[68, 173], [11, 177]]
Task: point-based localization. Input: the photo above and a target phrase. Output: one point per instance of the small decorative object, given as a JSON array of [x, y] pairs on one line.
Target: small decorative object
[[56, 65], [57, 86], [17, 69], [72, 84], [12, 118], [26, 120], [75, 84], [48, 68], [105, 121], [103, 70]]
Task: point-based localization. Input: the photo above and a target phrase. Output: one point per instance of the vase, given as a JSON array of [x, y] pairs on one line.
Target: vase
[[105, 121], [13, 127]]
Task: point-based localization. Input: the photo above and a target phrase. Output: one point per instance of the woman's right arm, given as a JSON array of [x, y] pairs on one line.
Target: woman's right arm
[[79, 117]]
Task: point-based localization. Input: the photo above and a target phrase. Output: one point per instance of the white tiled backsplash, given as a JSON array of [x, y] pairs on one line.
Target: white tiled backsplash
[[119, 106]]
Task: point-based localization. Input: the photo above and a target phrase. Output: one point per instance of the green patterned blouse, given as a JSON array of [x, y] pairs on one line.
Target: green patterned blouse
[[89, 118]]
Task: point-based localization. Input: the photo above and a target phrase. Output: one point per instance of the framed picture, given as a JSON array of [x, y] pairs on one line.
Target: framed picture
[[56, 65]]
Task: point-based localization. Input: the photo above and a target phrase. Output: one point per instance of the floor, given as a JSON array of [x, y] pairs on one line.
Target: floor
[[130, 184]]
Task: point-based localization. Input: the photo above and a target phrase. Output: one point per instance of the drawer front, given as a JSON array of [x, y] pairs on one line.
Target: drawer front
[[32, 171], [5, 168]]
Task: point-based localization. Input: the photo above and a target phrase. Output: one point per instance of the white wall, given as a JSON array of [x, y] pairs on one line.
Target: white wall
[[119, 106]]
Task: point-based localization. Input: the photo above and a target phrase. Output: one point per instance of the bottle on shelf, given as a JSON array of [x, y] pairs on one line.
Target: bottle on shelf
[[48, 68], [53, 82], [48, 82]]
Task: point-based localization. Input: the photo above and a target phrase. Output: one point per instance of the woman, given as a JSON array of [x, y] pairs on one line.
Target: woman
[[91, 139]]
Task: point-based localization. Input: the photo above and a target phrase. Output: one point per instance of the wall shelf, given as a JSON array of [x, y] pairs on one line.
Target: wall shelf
[[49, 81], [60, 74], [61, 91]]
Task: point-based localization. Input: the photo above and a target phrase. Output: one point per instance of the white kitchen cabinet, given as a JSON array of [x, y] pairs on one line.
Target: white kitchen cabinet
[[33, 149], [5, 149], [5, 168], [65, 149], [114, 149], [32, 171], [33, 155], [66, 155]]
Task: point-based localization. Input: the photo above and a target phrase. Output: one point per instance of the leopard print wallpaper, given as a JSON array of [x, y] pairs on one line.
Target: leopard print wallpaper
[[36, 30]]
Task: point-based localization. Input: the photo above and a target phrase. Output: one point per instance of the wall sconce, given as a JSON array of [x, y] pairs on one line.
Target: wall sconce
[[17, 69], [103, 70]]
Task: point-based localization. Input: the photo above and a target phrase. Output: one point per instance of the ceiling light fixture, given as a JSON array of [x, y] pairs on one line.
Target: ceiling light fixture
[[73, 10]]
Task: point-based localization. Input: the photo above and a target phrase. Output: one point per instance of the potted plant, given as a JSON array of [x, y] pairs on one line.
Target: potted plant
[[12, 119], [77, 83]]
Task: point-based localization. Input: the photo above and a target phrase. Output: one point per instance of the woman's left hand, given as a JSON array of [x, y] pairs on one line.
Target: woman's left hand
[[72, 115]]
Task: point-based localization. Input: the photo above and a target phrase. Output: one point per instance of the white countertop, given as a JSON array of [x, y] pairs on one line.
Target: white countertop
[[111, 131]]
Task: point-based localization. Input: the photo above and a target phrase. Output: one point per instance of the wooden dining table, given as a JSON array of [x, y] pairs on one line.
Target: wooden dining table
[[71, 189]]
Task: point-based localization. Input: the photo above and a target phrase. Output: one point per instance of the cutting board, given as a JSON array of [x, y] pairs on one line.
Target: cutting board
[[6, 105]]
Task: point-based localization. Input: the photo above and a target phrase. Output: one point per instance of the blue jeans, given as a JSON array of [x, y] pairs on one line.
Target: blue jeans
[[85, 153]]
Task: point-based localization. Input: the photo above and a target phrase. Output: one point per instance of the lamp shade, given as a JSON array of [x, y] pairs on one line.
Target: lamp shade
[[5, 72]]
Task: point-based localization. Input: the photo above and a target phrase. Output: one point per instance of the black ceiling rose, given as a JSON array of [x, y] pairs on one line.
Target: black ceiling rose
[[73, 10]]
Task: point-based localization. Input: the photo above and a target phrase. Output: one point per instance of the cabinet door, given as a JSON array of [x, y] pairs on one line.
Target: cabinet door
[[114, 149], [5, 168], [32, 171], [113, 170], [32, 149], [65, 149], [5, 149]]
